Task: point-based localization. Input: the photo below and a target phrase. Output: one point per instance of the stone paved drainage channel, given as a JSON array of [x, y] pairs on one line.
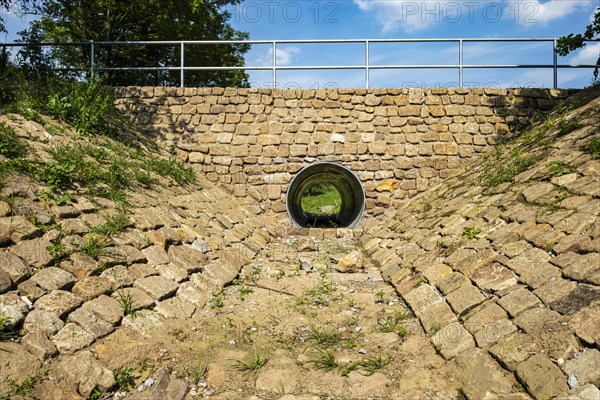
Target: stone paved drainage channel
[[315, 311]]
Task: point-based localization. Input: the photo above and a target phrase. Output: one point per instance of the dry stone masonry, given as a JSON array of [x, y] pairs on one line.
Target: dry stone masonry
[[506, 280], [254, 140]]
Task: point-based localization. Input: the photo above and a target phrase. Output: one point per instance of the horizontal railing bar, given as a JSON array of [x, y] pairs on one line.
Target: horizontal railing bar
[[329, 67], [288, 41]]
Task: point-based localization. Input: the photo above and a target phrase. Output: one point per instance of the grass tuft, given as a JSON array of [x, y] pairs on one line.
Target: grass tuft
[[252, 365]]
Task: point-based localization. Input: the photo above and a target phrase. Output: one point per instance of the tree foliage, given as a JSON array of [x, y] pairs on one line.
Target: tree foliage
[[567, 44], [139, 20]]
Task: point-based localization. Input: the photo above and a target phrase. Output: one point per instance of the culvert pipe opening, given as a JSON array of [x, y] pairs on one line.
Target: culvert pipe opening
[[325, 195]]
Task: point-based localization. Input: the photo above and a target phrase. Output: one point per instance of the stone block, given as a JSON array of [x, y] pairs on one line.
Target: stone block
[[452, 340], [59, 302], [436, 317], [53, 278], [493, 332], [538, 274], [554, 290], [445, 149], [465, 298], [86, 372], [494, 277], [479, 377], [15, 268], [524, 261], [46, 321], [34, 252], [80, 265], [134, 298], [38, 344], [422, 297], [106, 308], [175, 307], [92, 287], [513, 349], [20, 228], [518, 300], [586, 325], [158, 287], [542, 377], [119, 276], [91, 322], [72, 338], [454, 281], [537, 319], [581, 297], [585, 366], [487, 314], [13, 307]]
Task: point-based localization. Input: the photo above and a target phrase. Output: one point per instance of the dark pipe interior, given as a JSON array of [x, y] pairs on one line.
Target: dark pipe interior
[[346, 183]]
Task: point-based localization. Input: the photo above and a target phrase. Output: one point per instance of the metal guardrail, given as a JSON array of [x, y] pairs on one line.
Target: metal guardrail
[[366, 66]]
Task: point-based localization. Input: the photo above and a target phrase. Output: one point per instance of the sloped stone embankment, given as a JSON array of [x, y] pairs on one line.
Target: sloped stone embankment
[[504, 276]]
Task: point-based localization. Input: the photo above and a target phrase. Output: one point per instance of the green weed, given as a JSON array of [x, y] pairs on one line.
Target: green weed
[[471, 232], [244, 292], [115, 224], [216, 299], [88, 106], [559, 168], [125, 380], [252, 365], [57, 252], [325, 338], [126, 303], [24, 388], [505, 170], [374, 364], [171, 167], [198, 372], [393, 323], [565, 127], [326, 361], [6, 329], [94, 244], [594, 147], [10, 145]]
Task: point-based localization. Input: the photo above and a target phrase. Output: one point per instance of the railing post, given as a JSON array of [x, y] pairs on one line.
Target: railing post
[[274, 62], [182, 71], [366, 64], [92, 58], [460, 63], [554, 64]]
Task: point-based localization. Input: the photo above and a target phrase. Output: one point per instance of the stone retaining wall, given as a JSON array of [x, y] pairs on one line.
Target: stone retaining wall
[[254, 140]]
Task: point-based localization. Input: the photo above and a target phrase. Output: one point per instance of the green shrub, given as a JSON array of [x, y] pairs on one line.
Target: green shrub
[[10, 145], [594, 147], [88, 106]]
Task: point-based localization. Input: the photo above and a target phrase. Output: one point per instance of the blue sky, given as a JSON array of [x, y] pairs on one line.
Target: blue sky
[[407, 19]]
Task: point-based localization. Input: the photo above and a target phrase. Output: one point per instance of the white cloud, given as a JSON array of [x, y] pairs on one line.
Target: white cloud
[[586, 55], [409, 15], [534, 12], [416, 15], [285, 56]]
